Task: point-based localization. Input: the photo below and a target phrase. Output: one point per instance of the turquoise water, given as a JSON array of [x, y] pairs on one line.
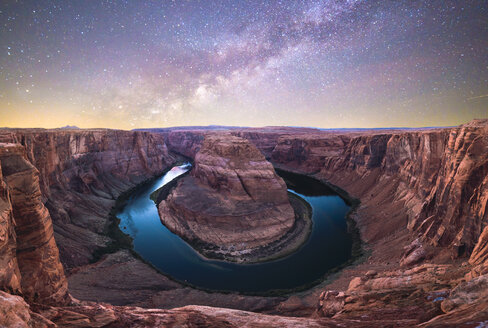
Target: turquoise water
[[328, 246]]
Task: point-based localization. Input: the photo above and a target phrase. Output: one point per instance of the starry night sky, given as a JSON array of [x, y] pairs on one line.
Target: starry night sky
[[329, 63]]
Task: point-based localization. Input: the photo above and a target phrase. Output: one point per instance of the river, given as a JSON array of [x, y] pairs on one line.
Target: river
[[328, 246]]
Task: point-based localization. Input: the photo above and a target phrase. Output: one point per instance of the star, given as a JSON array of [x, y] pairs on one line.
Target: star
[[323, 63]]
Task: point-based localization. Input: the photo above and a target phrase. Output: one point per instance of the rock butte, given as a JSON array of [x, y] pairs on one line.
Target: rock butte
[[233, 200], [422, 217]]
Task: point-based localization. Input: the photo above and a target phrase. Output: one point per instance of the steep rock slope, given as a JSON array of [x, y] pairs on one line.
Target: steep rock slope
[[185, 142], [462, 187], [82, 172], [36, 264], [440, 176], [422, 212], [9, 268], [233, 199], [423, 199]]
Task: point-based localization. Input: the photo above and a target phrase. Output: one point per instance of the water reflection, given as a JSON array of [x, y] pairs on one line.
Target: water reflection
[[328, 246]]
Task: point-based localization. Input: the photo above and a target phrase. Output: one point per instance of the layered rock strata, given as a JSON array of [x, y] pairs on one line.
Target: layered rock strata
[[423, 200], [233, 201], [88, 314], [438, 176], [31, 256], [81, 173], [422, 214], [9, 268]]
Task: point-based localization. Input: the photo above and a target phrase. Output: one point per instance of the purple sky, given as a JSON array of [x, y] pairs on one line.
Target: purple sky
[[134, 64]]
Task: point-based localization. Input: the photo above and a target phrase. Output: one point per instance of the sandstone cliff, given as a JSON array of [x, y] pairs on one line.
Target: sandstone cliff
[[438, 176], [30, 254], [422, 215], [82, 172], [423, 200], [9, 268], [233, 199]]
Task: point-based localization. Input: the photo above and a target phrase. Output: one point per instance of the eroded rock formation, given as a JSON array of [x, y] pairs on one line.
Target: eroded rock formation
[[423, 200], [81, 173], [232, 200], [439, 176], [36, 264], [9, 268], [422, 216]]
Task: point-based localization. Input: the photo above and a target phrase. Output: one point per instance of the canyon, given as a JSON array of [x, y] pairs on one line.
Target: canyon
[[422, 219]]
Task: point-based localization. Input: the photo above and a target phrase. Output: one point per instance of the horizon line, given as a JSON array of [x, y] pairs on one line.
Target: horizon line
[[217, 126]]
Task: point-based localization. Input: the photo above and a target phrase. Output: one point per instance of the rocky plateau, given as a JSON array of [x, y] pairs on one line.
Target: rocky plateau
[[422, 218]]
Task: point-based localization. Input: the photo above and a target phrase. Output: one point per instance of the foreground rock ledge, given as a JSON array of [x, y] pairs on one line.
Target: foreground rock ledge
[[232, 203]]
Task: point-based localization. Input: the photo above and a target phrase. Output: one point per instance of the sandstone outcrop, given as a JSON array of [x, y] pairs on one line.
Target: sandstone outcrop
[[465, 305], [232, 202], [423, 200], [81, 183], [479, 257], [422, 215], [456, 207], [107, 163], [435, 179], [88, 314], [392, 294], [184, 142], [9, 268], [14, 311], [437, 176], [36, 264], [82, 172]]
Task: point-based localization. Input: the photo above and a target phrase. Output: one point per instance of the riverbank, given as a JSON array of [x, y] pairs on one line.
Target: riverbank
[[286, 245], [288, 266], [119, 240], [317, 185]]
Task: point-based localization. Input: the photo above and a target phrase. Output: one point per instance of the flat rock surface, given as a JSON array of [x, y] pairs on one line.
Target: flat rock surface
[[121, 279]]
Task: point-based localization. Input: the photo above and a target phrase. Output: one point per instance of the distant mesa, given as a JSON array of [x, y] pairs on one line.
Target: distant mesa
[[193, 128], [69, 127]]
